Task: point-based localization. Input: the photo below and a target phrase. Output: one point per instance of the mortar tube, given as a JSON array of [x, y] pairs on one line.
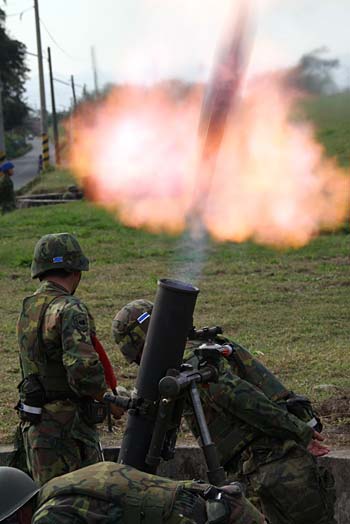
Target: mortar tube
[[171, 321]]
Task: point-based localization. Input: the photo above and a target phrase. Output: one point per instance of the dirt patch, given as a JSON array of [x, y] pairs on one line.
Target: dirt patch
[[335, 414]]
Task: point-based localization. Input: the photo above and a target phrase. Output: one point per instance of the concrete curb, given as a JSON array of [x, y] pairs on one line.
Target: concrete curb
[[189, 464]]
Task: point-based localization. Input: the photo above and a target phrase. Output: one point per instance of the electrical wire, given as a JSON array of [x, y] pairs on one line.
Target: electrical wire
[[62, 82], [20, 13], [56, 43], [67, 83]]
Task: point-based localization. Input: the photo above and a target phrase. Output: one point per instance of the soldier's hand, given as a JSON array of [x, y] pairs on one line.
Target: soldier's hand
[[317, 450], [317, 436], [117, 411]]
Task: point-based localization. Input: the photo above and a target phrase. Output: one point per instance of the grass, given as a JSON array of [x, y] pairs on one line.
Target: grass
[[290, 306], [331, 115], [51, 182]]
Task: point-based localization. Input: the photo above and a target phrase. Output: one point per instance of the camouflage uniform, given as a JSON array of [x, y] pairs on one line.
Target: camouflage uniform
[[115, 493], [263, 445], [259, 441], [7, 194], [54, 335]]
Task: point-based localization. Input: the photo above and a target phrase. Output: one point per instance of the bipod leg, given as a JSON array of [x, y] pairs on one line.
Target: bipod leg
[[216, 473]]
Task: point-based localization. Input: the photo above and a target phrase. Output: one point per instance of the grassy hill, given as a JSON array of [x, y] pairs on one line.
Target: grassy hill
[[292, 307]]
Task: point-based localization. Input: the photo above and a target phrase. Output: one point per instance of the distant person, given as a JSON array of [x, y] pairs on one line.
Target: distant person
[[7, 191], [40, 164]]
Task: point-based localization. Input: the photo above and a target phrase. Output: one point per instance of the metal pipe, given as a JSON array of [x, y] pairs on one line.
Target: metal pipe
[[164, 347], [216, 473]]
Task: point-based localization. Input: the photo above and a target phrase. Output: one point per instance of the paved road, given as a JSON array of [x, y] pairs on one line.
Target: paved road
[[26, 166]]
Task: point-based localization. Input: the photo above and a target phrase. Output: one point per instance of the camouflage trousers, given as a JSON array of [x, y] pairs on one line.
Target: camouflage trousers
[[292, 489], [45, 463], [59, 444]]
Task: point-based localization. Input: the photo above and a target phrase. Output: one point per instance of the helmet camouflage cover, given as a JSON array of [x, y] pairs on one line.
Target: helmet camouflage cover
[[58, 251], [129, 328]]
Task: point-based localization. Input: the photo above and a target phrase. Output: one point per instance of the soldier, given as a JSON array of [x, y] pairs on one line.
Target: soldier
[[7, 192], [62, 377], [111, 493], [262, 431]]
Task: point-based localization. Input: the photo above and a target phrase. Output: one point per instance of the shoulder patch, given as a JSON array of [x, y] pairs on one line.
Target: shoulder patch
[[80, 322]]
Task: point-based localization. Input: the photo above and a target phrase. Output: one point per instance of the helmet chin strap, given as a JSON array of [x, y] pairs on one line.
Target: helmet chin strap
[[76, 284]]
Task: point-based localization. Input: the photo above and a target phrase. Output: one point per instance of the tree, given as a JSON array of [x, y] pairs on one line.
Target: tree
[[313, 73], [13, 73]]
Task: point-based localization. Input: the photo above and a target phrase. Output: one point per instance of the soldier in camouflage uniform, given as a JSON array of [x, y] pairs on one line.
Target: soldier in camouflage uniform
[[111, 493], [263, 432], [7, 192], [62, 377]]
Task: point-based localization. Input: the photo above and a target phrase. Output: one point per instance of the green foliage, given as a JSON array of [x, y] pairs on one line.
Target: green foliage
[[313, 73], [15, 145], [13, 77]]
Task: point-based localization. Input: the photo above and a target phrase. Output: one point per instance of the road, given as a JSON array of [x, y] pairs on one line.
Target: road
[[26, 166]]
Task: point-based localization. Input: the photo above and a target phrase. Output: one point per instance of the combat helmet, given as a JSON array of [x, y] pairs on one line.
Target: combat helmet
[[129, 328], [58, 251], [16, 489]]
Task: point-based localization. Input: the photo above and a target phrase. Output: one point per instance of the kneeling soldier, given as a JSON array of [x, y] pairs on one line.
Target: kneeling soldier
[[263, 432]]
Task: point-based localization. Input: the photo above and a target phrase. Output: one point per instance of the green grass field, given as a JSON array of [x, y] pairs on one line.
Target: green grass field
[[50, 182], [331, 116], [292, 307]]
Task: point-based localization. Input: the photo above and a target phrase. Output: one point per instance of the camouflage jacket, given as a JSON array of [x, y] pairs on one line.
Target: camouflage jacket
[[7, 193], [238, 412], [54, 330], [112, 493]]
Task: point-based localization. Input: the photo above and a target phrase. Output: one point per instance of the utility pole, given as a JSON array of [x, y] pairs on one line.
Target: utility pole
[[44, 126], [2, 129], [94, 69], [54, 115], [73, 91]]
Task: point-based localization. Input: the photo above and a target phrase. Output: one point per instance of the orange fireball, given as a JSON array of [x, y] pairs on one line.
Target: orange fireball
[[137, 153]]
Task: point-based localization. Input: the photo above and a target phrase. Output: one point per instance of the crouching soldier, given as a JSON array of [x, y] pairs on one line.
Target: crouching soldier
[[265, 435], [110, 493]]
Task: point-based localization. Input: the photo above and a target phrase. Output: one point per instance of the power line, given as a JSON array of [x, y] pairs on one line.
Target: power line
[[67, 83], [31, 54], [20, 13], [35, 54], [62, 82], [56, 43]]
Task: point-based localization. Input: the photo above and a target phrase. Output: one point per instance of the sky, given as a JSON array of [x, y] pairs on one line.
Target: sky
[[147, 40]]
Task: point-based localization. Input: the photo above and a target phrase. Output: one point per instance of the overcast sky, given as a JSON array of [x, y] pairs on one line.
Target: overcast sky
[[144, 40]]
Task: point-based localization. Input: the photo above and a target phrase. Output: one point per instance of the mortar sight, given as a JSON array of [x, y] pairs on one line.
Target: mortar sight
[[206, 333]]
